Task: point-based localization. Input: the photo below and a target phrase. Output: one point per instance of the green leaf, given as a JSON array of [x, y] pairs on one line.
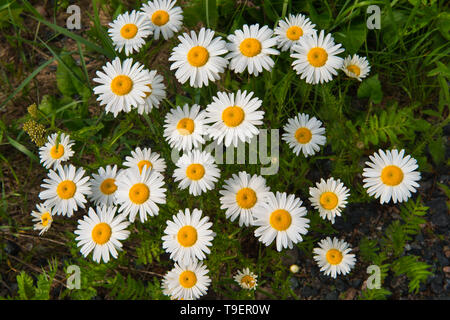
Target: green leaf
[[437, 150], [25, 286], [371, 88], [353, 38]]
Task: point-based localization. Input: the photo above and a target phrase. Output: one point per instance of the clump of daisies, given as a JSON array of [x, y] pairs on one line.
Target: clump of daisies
[[164, 17], [291, 29], [333, 257]]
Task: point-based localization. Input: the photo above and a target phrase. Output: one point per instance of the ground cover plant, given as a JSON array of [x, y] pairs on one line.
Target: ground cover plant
[[333, 121]]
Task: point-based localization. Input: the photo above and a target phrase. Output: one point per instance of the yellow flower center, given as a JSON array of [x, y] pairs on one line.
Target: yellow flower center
[[46, 218], [150, 92], [160, 17], [121, 85], [303, 135], [66, 189], [187, 236], [317, 57], [246, 198], [185, 126], [354, 69], [391, 175], [101, 233], [195, 171], [108, 186], [57, 151], [280, 219], [188, 279], [143, 163], [129, 31], [233, 116], [250, 47], [198, 56], [334, 256], [294, 33], [248, 280], [328, 200], [139, 193]]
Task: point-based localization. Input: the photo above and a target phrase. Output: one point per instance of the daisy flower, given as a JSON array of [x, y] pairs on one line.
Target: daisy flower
[[241, 195], [155, 96], [141, 158], [104, 186], [289, 31], [102, 232], [186, 281], [281, 218], [184, 128], [196, 170], [140, 193], [246, 279], [233, 117], [66, 190], [129, 30], [56, 150], [329, 197], [333, 257], [165, 18], [316, 58], [122, 85], [391, 175], [188, 236], [198, 58], [356, 67], [251, 48], [43, 218], [303, 134]]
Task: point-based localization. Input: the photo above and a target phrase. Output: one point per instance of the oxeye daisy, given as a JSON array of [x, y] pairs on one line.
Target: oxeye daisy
[[329, 197], [156, 94], [316, 58], [289, 31], [56, 150], [104, 186], [196, 170], [251, 49], [188, 236], [140, 193], [391, 175], [184, 128], [186, 281], [128, 31], [281, 218], [198, 58], [333, 257], [141, 158], [122, 85], [165, 18], [66, 190], [234, 117], [356, 67], [102, 232], [241, 195], [304, 134], [42, 218], [246, 279]]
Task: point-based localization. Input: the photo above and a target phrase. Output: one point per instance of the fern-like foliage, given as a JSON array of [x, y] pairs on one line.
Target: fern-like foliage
[[132, 289], [415, 270]]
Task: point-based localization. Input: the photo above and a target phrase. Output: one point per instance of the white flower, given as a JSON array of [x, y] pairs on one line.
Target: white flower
[[155, 96], [304, 134], [333, 257], [141, 158], [316, 58], [122, 85], [356, 67], [233, 117], [188, 236], [102, 232], [329, 197], [241, 195], [66, 190], [281, 218], [289, 31], [246, 279], [390, 175], [198, 58], [165, 18], [56, 151], [104, 186], [251, 49], [129, 30], [185, 128], [43, 218]]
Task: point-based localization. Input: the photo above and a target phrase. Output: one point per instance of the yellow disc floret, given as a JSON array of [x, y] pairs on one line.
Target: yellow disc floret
[[139, 193], [233, 116], [121, 85], [391, 175], [250, 47], [328, 200], [280, 219], [195, 171], [188, 279], [101, 233], [129, 31], [303, 135], [66, 189], [198, 56], [246, 198], [294, 33], [317, 57], [187, 236]]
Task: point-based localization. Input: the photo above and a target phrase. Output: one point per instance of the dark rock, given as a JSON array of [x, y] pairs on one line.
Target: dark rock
[[11, 248], [308, 291], [343, 226], [341, 286], [356, 283], [293, 282], [441, 259], [419, 238], [333, 295], [439, 212], [437, 285]]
